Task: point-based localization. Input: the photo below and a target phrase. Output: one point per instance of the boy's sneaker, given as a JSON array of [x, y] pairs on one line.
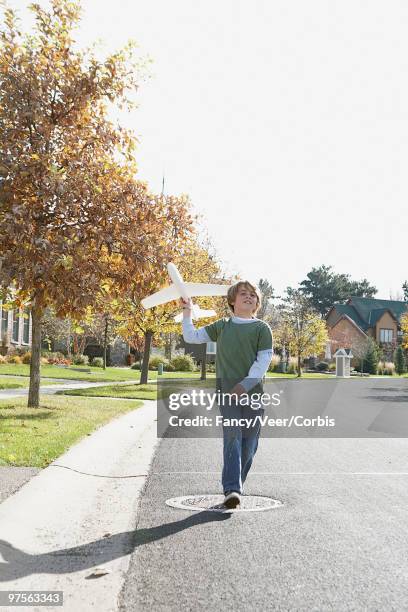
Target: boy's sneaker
[[232, 500]]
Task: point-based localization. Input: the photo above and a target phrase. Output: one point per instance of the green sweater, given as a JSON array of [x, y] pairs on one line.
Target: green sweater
[[237, 348]]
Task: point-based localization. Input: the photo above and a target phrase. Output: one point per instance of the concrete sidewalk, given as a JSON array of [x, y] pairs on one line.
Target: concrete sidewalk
[[70, 527]]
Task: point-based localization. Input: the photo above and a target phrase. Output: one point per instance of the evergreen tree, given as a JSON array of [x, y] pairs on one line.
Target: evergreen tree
[[405, 289], [399, 360], [371, 358], [323, 288]]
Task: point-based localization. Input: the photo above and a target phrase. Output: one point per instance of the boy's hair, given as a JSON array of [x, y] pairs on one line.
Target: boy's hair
[[232, 294]]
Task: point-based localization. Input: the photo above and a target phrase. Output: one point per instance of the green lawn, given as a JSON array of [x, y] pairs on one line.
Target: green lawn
[[115, 374], [96, 375], [37, 436], [52, 371], [133, 391]]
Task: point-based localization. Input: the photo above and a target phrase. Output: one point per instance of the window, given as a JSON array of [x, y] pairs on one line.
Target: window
[[211, 348], [26, 326], [386, 335], [16, 325], [4, 323]]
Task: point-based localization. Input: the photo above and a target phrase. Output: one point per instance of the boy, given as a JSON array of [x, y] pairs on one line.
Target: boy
[[244, 352]]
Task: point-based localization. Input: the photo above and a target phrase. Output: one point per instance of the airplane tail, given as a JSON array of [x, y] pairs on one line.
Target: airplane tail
[[196, 313]]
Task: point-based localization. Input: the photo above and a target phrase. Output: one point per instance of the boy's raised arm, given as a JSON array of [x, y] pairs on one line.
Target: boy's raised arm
[[190, 333]]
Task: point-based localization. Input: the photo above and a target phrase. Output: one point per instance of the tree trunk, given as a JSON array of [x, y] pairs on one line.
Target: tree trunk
[[69, 340], [204, 363], [105, 340], [167, 346], [146, 355], [299, 367], [35, 365]]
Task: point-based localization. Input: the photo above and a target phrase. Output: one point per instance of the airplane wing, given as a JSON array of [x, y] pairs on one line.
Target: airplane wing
[[201, 289], [198, 313], [161, 297]]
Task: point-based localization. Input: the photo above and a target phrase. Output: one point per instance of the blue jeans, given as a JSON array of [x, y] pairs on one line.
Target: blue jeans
[[240, 443]]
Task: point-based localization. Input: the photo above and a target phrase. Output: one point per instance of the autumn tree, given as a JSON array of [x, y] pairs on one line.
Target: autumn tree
[[71, 212], [404, 329], [301, 329]]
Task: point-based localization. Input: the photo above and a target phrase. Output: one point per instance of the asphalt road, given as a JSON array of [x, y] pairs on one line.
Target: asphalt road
[[339, 542], [13, 478]]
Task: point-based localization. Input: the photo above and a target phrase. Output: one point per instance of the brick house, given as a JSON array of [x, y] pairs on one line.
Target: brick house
[[360, 318], [15, 330]]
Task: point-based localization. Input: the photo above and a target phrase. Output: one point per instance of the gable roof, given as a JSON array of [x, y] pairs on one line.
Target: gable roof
[[341, 352], [366, 306], [365, 312], [350, 312]]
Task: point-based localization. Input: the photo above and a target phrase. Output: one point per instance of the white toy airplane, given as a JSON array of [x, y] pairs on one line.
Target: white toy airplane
[[179, 289]]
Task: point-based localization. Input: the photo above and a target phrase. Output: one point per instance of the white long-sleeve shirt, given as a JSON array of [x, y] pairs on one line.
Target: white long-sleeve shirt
[[263, 358]]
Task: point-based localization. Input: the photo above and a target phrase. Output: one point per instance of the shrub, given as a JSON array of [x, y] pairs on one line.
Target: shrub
[[80, 359], [389, 368], [322, 366], [14, 359], [26, 358], [136, 365], [3, 359], [19, 351], [44, 361], [57, 359], [154, 362], [332, 367], [97, 362], [183, 363], [274, 365], [292, 365], [386, 368], [210, 367]]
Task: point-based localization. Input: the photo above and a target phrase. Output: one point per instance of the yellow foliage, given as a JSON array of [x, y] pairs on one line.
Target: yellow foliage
[[404, 329]]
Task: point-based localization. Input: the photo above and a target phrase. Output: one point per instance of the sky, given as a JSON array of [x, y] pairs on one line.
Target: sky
[[285, 121]]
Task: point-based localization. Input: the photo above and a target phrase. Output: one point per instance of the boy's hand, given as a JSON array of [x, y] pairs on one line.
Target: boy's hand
[[186, 306], [238, 389]]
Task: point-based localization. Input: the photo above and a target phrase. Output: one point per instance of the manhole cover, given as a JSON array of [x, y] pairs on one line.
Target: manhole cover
[[213, 503]]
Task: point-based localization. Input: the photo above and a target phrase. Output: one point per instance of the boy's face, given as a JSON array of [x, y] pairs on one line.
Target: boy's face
[[246, 301]]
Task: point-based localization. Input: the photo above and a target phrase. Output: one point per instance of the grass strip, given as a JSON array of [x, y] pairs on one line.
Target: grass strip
[[37, 436]]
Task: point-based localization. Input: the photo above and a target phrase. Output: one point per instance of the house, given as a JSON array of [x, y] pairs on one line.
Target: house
[[197, 350], [361, 317], [116, 353], [16, 329]]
